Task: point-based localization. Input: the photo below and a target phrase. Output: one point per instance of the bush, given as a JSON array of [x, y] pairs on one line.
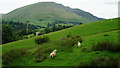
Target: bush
[[106, 45], [31, 36], [84, 49], [25, 37], [41, 39], [40, 54], [78, 38], [68, 42], [102, 61], [13, 55], [69, 35]]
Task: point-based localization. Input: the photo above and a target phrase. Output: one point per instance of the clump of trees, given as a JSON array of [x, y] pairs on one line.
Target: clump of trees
[[67, 22], [13, 31], [8, 35], [19, 25], [56, 27]]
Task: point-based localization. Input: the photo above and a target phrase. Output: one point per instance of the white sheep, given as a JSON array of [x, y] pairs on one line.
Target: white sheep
[[53, 53], [79, 44]]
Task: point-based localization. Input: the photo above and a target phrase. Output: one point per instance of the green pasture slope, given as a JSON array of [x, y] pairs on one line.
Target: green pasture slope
[[91, 33]]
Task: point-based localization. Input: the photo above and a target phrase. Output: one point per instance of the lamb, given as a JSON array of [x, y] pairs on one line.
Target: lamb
[[53, 53], [79, 44]]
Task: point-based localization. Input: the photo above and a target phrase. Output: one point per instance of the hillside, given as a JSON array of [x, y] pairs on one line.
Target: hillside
[[43, 13], [0, 16], [91, 33]]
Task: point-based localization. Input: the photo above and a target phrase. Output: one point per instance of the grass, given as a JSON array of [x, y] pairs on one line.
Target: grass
[[71, 57], [90, 32], [82, 30]]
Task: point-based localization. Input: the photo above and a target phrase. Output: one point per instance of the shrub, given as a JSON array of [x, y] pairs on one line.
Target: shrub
[[45, 38], [68, 35], [106, 45], [48, 50], [13, 55], [42, 32], [68, 42], [31, 36], [25, 37], [102, 61], [40, 54], [84, 49], [78, 38], [41, 39]]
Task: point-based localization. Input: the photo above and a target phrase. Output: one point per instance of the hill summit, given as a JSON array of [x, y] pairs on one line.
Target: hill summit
[[48, 12]]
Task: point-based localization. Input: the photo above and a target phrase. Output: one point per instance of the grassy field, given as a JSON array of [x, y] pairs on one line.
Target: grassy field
[[90, 32]]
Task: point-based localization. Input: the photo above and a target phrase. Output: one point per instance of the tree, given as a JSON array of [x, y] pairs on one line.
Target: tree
[[7, 34]]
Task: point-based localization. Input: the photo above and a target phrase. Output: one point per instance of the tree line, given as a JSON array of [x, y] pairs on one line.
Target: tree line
[[20, 26], [13, 31]]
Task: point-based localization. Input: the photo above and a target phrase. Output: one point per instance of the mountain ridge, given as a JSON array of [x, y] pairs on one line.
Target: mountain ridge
[[43, 12]]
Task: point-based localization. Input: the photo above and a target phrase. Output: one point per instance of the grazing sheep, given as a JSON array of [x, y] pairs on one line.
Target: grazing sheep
[[53, 53], [79, 44]]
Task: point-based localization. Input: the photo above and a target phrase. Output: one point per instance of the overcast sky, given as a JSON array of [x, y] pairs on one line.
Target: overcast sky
[[100, 8]]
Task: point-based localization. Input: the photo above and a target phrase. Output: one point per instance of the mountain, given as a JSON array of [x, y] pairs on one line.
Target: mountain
[[1, 19], [43, 13], [1, 15]]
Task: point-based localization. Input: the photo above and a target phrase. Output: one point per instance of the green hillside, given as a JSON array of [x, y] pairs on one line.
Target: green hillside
[[90, 32], [47, 12]]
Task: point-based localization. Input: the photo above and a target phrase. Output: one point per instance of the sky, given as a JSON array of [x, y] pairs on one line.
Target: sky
[[100, 8]]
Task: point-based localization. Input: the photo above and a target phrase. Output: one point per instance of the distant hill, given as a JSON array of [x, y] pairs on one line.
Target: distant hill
[[43, 13], [1, 18], [1, 15]]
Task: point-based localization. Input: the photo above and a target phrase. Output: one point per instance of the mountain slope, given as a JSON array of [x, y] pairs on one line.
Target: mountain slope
[[86, 15], [82, 30], [48, 12], [90, 32]]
